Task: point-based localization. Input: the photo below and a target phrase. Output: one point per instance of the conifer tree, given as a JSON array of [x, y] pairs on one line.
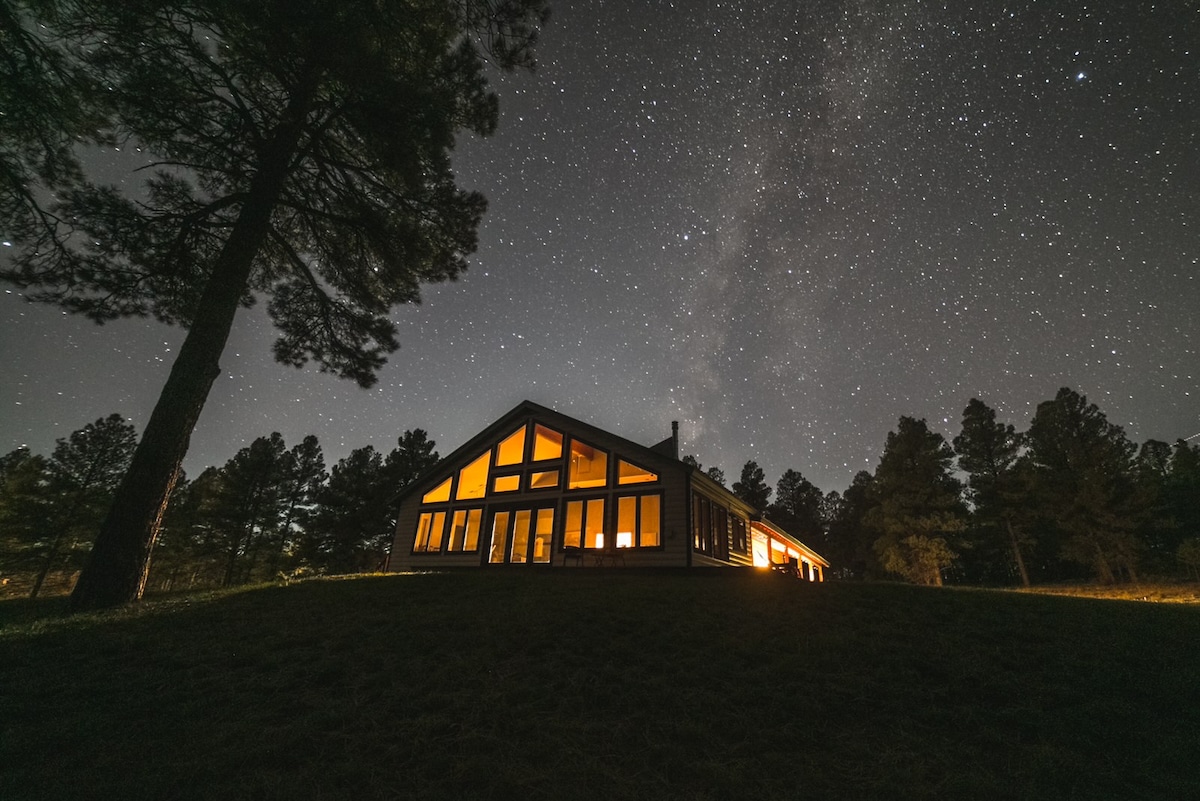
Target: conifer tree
[[85, 470], [987, 453], [752, 487], [300, 152], [798, 507], [1083, 466], [917, 507]]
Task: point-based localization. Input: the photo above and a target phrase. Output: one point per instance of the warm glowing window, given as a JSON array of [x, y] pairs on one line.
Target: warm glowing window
[[638, 521], [701, 524], [649, 523], [588, 467], [464, 530], [520, 535], [543, 535], [543, 479], [547, 443], [739, 533], [759, 549], [710, 527], [506, 484], [472, 479], [626, 522], [439, 493], [429, 532], [499, 537], [720, 532], [512, 448], [593, 524], [585, 524], [573, 531], [632, 474]]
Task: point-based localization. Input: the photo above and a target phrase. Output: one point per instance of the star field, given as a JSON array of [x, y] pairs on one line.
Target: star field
[[784, 225]]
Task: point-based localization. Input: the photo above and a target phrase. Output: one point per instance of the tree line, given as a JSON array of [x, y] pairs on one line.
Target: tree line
[[1071, 498], [271, 512]]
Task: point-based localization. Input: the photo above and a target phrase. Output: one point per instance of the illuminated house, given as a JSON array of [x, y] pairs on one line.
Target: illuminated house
[[540, 488]]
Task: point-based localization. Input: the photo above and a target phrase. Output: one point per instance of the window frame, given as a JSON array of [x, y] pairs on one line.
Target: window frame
[[637, 510], [656, 480], [609, 462], [466, 510], [738, 523], [584, 501]]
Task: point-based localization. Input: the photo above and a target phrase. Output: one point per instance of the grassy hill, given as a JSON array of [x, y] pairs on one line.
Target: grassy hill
[[601, 684]]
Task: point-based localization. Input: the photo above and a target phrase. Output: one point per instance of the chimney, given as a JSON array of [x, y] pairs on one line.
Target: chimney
[[675, 437]]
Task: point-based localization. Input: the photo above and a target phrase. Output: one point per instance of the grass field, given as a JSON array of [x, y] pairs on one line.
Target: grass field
[[601, 684]]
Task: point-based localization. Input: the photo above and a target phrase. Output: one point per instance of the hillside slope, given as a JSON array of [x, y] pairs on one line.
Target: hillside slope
[[600, 684]]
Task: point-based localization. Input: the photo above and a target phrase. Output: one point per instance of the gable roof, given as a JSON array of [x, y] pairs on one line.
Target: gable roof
[[656, 455]]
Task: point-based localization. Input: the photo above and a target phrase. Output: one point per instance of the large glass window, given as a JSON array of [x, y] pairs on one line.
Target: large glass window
[[720, 532], [710, 527], [585, 524], [464, 530], [547, 443], [499, 537], [512, 448], [627, 522], [588, 467], [739, 533], [701, 524], [429, 532], [520, 535], [638, 521], [593, 524], [628, 473], [472, 479], [543, 479], [650, 521], [506, 483], [573, 530], [543, 535], [438, 494]]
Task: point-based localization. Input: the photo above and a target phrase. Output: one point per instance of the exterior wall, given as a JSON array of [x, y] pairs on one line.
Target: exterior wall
[[676, 535], [671, 486], [696, 520], [718, 498]]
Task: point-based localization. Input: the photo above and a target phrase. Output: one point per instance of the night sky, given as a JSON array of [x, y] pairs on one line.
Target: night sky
[[782, 224]]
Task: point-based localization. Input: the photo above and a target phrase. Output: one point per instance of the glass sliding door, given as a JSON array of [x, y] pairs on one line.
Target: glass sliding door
[[522, 535]]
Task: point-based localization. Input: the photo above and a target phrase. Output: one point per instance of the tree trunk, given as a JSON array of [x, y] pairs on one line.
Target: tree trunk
[[47, 564], [1106, 574], [231, 562], [1016, 547], [118, 565]]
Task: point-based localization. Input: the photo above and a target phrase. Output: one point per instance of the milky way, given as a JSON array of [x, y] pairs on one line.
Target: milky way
[[782, 224]]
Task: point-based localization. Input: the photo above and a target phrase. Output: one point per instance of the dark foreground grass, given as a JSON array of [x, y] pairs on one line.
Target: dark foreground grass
[[598, 684]]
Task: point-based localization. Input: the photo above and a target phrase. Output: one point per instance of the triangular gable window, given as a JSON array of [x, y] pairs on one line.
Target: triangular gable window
[[632, 474], [512, 448], [438, 494], [547, 443], [588, 466], [472, 479]]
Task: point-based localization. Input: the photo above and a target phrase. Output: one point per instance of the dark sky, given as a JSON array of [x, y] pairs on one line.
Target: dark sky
[[782, 224]]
